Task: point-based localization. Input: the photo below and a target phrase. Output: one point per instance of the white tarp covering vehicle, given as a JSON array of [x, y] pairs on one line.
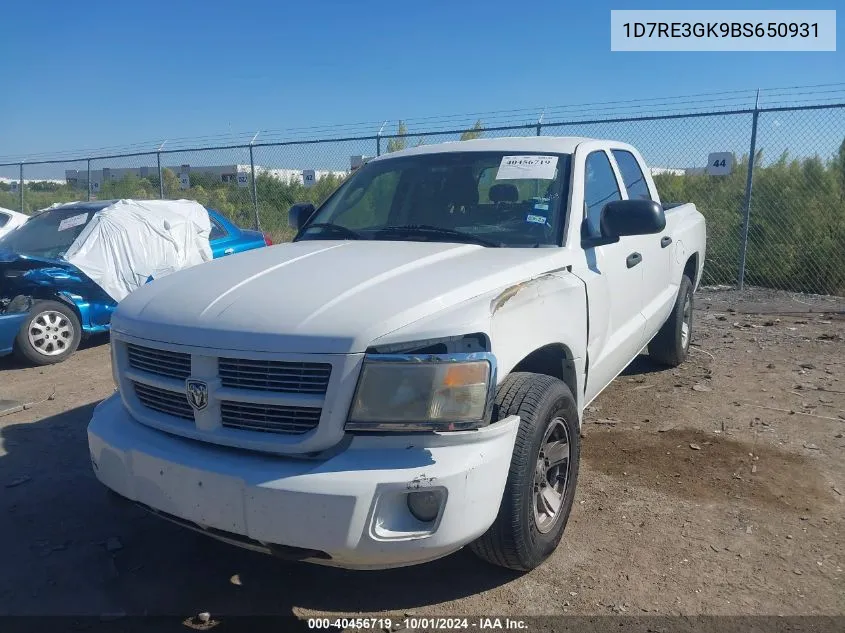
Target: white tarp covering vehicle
[[131, 241]]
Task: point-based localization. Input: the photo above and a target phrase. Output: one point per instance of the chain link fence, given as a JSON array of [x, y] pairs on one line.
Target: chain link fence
[[776, 220]]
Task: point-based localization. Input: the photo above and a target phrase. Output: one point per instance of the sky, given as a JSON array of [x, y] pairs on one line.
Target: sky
[[95, 74]]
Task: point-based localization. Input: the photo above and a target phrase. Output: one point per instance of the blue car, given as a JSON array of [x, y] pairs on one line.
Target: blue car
[[47, 305]]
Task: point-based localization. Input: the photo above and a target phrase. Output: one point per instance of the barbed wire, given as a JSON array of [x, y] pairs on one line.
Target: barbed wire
[[714, 101]]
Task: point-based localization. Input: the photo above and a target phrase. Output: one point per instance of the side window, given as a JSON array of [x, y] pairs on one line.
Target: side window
[[4, 219], [600, 187], [217, 230], [632, 175]]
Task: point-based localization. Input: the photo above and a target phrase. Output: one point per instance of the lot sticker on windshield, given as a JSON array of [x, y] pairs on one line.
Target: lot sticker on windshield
[[541, 206], [527, 167], [535, 219], [72, 221]]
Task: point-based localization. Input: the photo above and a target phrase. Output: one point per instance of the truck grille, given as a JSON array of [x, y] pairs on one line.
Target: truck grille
[[164, 401], [277, 376], [274, 397], [158, 361], [269, 417]]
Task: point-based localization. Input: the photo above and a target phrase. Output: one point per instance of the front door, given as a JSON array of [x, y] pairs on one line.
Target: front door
[[613, 275]]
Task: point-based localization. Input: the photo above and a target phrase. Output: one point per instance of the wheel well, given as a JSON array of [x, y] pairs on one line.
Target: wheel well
[[48, 296], [554, 360], [691, 268]]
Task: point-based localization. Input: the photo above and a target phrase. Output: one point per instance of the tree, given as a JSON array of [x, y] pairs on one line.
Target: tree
[[400, 141], [171, 182], [476, 131], [839, 165]]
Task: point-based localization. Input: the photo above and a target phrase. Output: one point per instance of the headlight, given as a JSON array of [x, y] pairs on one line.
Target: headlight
[[423, 393]]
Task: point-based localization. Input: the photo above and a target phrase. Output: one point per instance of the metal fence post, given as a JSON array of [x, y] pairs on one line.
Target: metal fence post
[[89, 179], [378, 139], [20, 188], [540, 123], [746, 206], [254, 188], [160, 177]]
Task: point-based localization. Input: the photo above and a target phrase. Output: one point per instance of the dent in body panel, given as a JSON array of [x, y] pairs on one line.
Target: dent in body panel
[[511, 291], [548, 310], [38, 279]]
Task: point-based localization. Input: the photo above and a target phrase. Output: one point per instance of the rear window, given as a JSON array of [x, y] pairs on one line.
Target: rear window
[[632, 175], [217, 230]]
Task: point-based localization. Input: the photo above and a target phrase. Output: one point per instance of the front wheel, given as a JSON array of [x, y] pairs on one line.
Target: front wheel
[[544, 471], [49, 335]]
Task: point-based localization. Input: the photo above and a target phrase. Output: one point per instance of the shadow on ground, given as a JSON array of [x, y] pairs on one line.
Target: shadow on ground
[[68, 548], [641, 365], [11, 361]]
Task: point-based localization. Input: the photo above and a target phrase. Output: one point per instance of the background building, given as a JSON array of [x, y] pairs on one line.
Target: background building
[[224, 173]]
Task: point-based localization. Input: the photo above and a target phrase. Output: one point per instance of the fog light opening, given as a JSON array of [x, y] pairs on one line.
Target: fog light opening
[[425, 504]]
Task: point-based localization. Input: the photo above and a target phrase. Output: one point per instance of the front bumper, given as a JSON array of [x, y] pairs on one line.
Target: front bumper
[[10, 325], [351, 506]]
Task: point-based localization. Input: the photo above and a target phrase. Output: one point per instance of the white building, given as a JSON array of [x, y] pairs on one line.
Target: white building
[[27, 181], [658, 171], [677, 171], [225, 173]]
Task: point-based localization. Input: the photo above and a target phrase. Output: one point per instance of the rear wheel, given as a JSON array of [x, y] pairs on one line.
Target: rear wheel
[[49, 335], [544, 471], [671, 344]]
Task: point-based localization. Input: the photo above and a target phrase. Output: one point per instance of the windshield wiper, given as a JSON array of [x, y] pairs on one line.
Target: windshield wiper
[[426, 229], [336, 228]]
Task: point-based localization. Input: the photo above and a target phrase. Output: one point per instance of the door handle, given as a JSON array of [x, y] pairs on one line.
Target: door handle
[[665, 241], [633, 259], [229, 251]]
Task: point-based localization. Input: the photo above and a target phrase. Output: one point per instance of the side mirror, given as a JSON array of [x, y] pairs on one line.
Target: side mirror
[[299, 214], [631, 217]]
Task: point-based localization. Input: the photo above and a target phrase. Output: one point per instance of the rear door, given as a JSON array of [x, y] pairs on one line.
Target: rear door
[[611, 272], [658, 289]]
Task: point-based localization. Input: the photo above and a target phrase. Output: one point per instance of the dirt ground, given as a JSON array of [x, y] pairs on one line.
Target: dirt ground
[[716, 488]]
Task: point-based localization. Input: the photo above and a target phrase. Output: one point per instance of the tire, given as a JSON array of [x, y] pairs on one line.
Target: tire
[[521, 538], [671, 344], [48, 319]]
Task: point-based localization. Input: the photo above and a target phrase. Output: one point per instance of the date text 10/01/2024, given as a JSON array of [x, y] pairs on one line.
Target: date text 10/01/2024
[[415, 623]]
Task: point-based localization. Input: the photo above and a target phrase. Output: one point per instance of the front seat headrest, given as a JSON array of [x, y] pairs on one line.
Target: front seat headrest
[[504, 192]]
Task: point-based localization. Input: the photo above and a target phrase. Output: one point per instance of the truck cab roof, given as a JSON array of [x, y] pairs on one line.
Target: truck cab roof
[[550, 144]]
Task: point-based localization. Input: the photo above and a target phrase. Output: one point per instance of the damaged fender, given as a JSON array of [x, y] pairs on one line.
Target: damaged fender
[[25, 280], [13, 313], [546, 310]]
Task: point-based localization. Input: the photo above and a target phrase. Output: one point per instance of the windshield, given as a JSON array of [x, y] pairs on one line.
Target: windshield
[[489, 198], [48, 234]]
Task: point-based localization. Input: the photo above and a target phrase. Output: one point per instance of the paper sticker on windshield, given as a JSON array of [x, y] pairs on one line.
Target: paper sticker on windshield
[[535, 219], [72, 221], [525, 167]]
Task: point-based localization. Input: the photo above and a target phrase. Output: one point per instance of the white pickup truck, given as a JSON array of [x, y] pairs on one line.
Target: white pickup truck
[[409, 375]]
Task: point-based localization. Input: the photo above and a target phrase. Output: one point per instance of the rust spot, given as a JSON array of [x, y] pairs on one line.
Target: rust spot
[[511, 291], [505, 296]]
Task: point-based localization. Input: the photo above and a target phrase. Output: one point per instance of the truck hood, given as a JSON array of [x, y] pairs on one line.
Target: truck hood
[[320, 296]]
